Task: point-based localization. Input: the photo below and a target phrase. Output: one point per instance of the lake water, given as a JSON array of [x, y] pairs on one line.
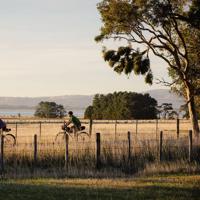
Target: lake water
[[15, 112], [30, 112]]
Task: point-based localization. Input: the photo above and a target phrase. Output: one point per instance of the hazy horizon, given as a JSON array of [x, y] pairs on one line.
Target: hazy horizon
[[80, 94]]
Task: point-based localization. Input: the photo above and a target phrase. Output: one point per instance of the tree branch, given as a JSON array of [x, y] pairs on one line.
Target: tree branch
[[165, 83]]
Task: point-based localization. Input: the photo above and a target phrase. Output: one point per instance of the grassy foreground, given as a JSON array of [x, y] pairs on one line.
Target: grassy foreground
[[171, 187]]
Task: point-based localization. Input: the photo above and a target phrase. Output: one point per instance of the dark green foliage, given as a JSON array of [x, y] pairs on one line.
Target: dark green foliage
[[89, 112], [122, 105], [194, 14], [149, 78], [47, 109], [98, 38], [125, 60], [109, 55], [162, 26], [166, 111], [145, 65]]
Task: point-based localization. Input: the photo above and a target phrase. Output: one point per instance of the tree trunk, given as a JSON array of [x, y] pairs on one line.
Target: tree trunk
[[192, 111]]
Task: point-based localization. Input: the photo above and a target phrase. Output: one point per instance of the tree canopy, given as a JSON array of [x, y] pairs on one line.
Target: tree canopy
[[194, 72], [89, 112], [47, 109], [161, 27], [166, 111], [122, 105]]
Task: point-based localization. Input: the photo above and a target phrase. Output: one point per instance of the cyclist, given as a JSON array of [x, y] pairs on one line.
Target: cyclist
[[3, 126], [72, 120]]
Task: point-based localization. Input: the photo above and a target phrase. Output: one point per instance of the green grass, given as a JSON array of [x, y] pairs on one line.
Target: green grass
[[162, 187]]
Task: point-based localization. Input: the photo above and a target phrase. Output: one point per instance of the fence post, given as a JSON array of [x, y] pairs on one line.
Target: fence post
[[98, 151], [161, 146], [40, 129], [115, 130], [35, 150], [190, 146], [2, 154], [90, 127], [136, 127], [16, 130], [156, 129], [177, 127], [66, 150], [129, 145]]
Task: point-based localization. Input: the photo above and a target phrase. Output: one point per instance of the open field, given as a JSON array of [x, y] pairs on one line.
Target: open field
[[165, 188], [119, 156], [147, 129]]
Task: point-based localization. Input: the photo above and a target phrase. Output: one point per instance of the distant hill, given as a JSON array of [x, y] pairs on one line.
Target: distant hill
[[69, 101], [80, 102], [166, 96]]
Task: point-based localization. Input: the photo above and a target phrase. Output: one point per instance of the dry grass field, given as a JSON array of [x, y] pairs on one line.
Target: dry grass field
[[118, 156], [145, 128]]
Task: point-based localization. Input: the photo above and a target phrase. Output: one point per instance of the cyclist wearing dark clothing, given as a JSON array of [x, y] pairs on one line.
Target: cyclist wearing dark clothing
[[73, 120], [3, 126]]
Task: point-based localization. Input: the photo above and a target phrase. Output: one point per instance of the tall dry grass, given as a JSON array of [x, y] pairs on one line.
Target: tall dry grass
[[115, 162]]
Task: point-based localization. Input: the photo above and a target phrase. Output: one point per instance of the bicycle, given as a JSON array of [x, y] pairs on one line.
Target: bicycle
[[73, 132], [9, 138]]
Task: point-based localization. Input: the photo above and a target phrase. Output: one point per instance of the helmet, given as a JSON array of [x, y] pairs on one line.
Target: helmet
[[70, 113]]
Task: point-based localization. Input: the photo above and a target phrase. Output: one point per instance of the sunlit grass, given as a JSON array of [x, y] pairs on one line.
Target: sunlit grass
[[162, 187]]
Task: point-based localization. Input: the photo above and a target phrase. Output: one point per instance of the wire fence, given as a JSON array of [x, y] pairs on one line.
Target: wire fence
[[126, 152], [126, 145], [142, 128]]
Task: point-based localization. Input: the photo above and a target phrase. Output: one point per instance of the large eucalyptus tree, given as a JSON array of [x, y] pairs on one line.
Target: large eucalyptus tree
[[157, 26]]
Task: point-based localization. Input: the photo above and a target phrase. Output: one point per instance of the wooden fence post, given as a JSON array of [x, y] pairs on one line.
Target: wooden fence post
[[156, 129], [177, 127], [35, 150], [115, 130], [98, 151], [136, 127], [129, 145], [16, 130], [40, 129], [90, 127], [161, 147], [66, 150], [2, 154], [190, 146]]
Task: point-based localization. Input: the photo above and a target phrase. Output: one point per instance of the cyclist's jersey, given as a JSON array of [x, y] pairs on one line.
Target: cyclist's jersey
[[2, 124], [75, 121]]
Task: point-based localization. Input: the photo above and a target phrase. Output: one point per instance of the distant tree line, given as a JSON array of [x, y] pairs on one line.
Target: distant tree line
[[47, 109], [122, 105], [166, 111]]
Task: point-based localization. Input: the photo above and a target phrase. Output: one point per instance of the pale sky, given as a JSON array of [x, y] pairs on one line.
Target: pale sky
[[47, 48]]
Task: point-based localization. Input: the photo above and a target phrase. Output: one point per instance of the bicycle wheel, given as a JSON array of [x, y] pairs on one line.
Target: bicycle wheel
[[59, 135], [82, 136], [9, 139]]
